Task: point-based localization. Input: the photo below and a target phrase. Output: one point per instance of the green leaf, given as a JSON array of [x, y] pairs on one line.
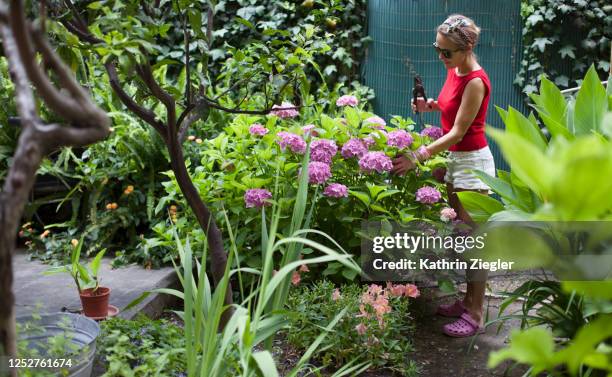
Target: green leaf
[[527, 161], [534, 346], [479, 206], [541, 43], [365, 199], [552, 101], [567, 50], [518, 124], [591, 104], [95, 264], [266, 363], [592, 289], [502, 188]]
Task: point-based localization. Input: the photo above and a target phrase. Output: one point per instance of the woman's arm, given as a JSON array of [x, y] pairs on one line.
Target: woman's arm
[[470, 105]]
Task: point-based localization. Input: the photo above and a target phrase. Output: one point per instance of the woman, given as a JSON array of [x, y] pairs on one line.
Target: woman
[[463, 103]]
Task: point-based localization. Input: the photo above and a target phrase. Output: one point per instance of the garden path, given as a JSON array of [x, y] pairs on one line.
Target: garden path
[[51, 293], [440, 356]]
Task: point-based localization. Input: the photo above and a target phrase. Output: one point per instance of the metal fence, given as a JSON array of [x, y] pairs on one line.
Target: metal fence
[[403, 32]]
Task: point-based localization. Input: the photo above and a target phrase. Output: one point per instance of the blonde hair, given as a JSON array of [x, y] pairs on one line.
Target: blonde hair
[[461, 30]]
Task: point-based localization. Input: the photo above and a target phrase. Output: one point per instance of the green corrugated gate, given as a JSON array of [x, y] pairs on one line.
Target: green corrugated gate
[[402, 33]]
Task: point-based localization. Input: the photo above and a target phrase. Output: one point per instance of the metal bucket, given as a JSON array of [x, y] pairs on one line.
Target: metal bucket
[[79, 330]]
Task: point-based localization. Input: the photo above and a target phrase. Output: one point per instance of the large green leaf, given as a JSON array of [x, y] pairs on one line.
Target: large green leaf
[[479, 206], [502, 188], [591, 104], [581, 189], [534, 346], [551, 102], [266, 363], [527, 161], [518, 124], [556, 128]]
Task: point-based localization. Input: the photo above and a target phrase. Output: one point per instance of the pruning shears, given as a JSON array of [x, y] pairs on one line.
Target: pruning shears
[[418, 91]]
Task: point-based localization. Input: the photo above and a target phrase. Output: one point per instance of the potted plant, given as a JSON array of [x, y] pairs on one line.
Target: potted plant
[[94, 297]]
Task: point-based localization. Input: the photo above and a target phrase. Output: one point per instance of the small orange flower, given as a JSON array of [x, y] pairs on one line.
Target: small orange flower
[[109, 206], [74, 242], [198, 140], [45, 234], [191, 138], [128, 190], [114, 206]]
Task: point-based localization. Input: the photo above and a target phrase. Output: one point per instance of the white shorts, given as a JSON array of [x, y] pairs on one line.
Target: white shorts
[[460, 164]]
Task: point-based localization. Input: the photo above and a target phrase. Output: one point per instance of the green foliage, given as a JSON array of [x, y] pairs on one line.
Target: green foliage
[[84, 276], [141, 347], [385, 345], [562, 39], [578, 152], [234, 161], [8, 133]]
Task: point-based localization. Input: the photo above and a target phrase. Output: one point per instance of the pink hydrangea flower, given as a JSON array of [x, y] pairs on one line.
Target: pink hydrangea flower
[[309, 129], [432, 132], [257, 198], [318, 172], [347, 100], [336, 190], [257, 129], [399, 138], [447, 214], [322, 150], [428, 195], [438, 174], [368, 141], [376, 122], [293, 141], [375, 161], [287, 110], [354, 148]]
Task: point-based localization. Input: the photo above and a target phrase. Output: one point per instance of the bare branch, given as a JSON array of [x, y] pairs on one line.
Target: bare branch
[[209, 27], [143, 113], [67, 107], [83, 35], [144, 71], [81, 24], [190, 116]]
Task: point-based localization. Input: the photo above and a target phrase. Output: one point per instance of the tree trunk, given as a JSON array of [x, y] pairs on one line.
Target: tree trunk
[[218, 257]]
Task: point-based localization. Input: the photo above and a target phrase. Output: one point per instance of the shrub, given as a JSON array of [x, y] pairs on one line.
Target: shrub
[[380, 337]]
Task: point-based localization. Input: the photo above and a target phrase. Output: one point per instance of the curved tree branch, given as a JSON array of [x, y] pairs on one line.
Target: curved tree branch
[[143, 113]]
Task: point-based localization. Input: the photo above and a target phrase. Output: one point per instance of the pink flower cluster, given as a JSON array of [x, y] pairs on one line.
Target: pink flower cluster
[[433, 133], [354, 148], [428, 195], [308, 129], [257, 198], [399, 138], [257, 129], [318, 172], [447, 214], [375, 161], [293, 141], [287, 110], [322, 150], [347, 100], [368, 141], [336, 190], [406, 290], [376, 122]]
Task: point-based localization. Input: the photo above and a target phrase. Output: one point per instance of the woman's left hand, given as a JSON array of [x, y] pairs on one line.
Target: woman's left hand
[[402, 165]]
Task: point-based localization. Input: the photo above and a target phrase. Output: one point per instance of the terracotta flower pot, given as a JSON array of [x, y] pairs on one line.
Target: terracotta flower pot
[[95, 304]]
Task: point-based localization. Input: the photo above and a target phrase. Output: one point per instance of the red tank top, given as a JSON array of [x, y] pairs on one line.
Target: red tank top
[[449, 101]]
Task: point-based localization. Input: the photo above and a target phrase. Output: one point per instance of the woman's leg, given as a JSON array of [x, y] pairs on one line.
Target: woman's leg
[[475, 292]]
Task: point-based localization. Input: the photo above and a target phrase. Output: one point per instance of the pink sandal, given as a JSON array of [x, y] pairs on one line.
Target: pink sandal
[[464, 327], [452, 310]]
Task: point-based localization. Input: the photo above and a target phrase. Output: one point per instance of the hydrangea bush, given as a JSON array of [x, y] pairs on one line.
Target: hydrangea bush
[[257, 158]]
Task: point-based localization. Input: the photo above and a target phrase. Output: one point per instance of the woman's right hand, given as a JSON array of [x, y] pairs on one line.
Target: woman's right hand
[[424, 106]]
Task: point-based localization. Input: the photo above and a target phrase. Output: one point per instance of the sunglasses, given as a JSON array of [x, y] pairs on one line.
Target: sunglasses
[[445, 52]]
